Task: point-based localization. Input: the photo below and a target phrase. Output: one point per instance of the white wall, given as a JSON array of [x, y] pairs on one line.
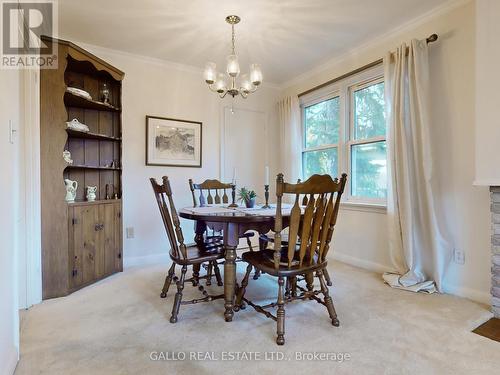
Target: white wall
[[154, 87], [487, 84], [361, 236], [9, 217]]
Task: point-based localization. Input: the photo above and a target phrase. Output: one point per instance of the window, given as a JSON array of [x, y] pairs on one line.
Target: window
[[321, 139], [344, 129]]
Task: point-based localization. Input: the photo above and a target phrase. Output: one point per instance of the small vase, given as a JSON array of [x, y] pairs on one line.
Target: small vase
[[250, 203]]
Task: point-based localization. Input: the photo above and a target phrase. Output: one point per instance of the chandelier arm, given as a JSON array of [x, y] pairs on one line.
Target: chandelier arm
[[223, 94], [212, 88], [243, 95]]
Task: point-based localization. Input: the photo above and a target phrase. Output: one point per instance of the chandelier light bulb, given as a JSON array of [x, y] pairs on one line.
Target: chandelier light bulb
[[210, 73], [255, 74], [246, 85], [233, 68], [221, 83]]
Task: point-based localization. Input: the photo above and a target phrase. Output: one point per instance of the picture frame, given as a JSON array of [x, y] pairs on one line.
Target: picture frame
[[173, 142]]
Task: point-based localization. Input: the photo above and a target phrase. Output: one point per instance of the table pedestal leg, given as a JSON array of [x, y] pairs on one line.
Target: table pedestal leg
[[229, 282], [231, 240]]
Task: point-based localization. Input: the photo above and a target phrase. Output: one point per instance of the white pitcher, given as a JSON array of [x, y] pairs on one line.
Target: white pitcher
[[71, 187], [91, 190]]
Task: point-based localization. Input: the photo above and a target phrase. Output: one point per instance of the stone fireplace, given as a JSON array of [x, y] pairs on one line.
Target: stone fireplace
[[495, 249]]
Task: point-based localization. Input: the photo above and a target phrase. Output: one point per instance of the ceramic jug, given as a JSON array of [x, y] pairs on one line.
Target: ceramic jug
[[71, 187], [91, 190]]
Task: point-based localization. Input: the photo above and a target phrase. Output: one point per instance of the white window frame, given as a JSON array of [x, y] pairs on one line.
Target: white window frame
[[330, 95], [345, 89]]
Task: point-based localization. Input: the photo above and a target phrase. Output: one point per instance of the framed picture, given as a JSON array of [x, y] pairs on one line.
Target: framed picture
[[172, 142]]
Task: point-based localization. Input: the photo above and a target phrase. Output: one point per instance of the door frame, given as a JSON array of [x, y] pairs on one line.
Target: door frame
[[222, 142], [32, 270]]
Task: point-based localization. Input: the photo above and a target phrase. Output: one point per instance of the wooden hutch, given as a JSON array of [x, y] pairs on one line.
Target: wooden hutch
[[81, 241]]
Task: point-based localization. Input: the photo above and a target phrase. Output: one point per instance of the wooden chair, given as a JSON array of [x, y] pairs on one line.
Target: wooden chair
[[202, 196], [265, 239], [309, 237], [182, 254]]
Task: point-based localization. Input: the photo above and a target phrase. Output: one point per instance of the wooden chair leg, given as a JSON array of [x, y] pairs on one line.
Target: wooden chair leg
[[262, 244], [196, 274], [288, 288], [217, 274], [280, 322], [178, 295], [293, 286], [168, 281], [241, 291], [309, 281], [256, 275], [328, 299], [209, 273], [249, 243], [327, 277]]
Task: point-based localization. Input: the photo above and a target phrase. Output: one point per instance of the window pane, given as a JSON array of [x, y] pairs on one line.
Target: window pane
[[322, 123], [320, 162], [369, 112], [369, 170]]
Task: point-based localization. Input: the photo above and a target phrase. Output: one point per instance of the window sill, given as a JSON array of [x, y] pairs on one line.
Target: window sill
[[364, 207]]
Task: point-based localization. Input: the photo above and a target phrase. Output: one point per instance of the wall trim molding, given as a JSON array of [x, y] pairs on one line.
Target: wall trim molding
[[222, 135], [486, 183], [9, 366], [362, 263], [145, 260], [468, 293], [375, 41], [33, 229]]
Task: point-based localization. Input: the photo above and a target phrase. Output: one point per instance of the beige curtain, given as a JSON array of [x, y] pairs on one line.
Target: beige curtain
[[291, 137], [418, 250]]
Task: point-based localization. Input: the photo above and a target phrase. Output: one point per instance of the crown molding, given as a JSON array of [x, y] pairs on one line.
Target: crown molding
[[153, 60], [377, 40]]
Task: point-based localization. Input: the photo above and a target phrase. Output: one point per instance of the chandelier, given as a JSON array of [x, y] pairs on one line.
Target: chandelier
[[227, 84]]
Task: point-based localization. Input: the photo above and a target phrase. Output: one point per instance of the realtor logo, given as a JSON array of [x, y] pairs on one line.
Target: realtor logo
[[23, 24]]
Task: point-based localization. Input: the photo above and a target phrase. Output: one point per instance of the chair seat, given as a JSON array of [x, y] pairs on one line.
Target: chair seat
[[197, 254], [264, 260]]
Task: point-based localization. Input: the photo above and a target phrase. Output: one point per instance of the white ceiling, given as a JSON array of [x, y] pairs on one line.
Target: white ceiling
[[287, 37]]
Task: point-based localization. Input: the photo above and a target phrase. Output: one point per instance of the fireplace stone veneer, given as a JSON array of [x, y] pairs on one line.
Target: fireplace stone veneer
[[495, 249]]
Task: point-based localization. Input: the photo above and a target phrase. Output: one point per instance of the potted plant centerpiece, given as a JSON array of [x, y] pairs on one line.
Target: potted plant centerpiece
[[247, 196]]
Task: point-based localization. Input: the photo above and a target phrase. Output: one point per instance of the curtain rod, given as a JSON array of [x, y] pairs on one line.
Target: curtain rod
[[430, 39]]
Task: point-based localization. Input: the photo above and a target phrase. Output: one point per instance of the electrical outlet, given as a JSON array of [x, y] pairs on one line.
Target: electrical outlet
[[130, 232], [459, 256]]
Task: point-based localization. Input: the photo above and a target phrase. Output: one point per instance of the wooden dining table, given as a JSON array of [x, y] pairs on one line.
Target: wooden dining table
[[234, 222]]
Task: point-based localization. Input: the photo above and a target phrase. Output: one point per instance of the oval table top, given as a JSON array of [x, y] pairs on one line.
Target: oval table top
[[232, 215]]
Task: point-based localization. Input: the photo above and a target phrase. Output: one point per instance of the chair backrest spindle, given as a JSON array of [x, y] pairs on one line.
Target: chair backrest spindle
[[311, 226], [208, 186], [163, 194]]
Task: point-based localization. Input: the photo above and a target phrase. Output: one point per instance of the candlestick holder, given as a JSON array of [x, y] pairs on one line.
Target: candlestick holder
[[266, 195], [233, 196]]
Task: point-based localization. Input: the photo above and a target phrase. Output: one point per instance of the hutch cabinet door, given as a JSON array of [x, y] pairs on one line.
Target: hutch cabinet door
[[86, 242], [111, 218]]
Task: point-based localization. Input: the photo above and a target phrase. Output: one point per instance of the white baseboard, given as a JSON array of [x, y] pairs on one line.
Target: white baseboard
[[145, 260], [11, 358], [464, 292], [361, 263], [472, 294]]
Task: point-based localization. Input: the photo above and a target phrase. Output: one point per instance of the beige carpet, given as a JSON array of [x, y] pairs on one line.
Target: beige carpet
[[113, 326]]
